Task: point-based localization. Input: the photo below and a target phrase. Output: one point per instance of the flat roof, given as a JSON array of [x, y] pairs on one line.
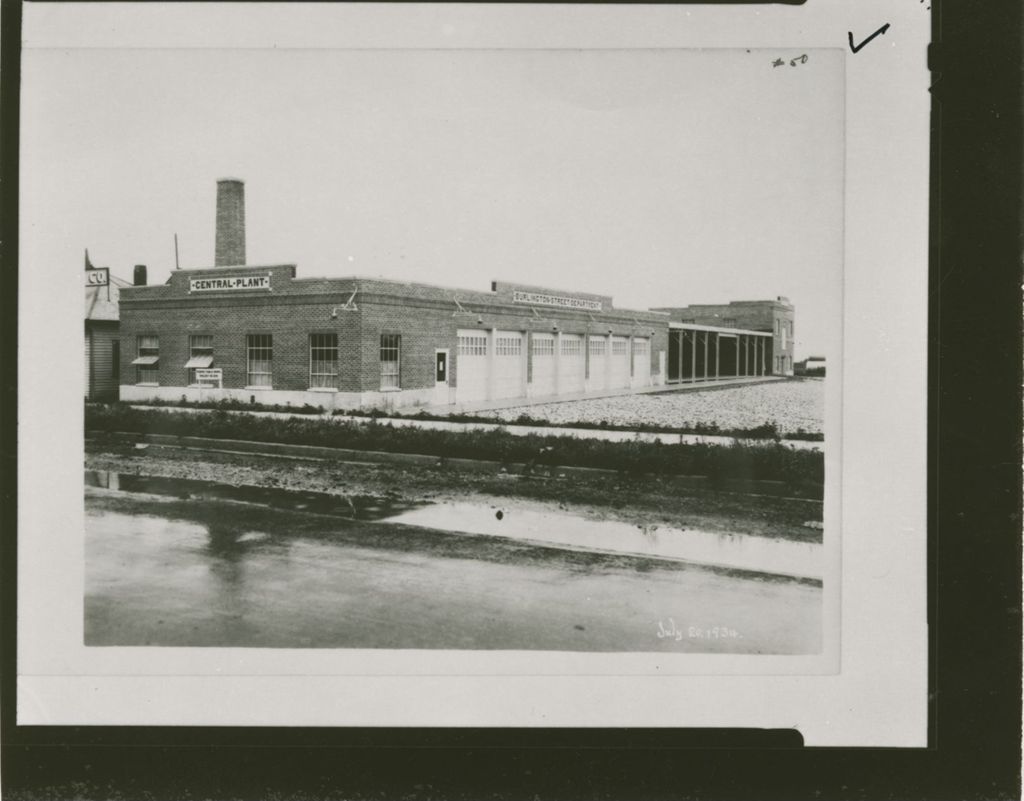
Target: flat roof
[[718, 329]]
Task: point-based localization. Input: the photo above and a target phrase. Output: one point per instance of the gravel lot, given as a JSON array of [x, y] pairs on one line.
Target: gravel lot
[[792, 405]]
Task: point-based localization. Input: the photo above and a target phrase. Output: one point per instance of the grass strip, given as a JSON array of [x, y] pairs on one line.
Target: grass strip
[[738, 460]]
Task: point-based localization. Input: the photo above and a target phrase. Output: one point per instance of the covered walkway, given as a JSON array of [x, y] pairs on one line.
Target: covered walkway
[[701, 353]]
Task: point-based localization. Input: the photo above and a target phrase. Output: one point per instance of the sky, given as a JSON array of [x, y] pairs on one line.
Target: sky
[[659, 177]]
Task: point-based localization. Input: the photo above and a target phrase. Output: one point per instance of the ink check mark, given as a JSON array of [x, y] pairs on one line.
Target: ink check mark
[[854, 48]]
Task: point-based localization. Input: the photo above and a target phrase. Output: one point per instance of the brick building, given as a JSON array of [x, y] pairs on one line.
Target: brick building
[[262, 334], [102, 335], [749, 317]]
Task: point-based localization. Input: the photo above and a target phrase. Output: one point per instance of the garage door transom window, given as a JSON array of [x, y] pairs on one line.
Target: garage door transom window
[[572, 347], [509, 346], [543, 347], [472, 345]]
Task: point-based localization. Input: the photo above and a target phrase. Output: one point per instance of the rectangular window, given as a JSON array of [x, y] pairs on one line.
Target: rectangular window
[[115, 359], [200, 355], [543, 346], [259, 360], [147, 361], [390, 361], [618, 347], [572, 347], [473, 345], [728, 322], [639, 347], [598, 347], [509, 346], [323, 360]]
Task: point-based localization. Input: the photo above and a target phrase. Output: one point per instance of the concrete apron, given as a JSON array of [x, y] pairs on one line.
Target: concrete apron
[[509, 403], [518, 430]]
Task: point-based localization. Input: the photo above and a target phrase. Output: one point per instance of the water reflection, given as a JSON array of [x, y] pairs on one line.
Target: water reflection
[[228, 542], [352, 507], [227, 565], [231, 536], [233, 550], [104, 479], [740, 551]]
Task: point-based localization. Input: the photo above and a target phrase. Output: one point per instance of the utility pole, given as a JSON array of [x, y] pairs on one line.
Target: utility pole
[[177, 266]]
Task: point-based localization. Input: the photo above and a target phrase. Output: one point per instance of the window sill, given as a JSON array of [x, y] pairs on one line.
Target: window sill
[[322, 389], [147, 384], [390, 389], [252, 389]]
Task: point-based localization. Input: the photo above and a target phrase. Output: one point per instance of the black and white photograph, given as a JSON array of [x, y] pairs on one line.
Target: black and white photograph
[[473, 353], [473, 350]]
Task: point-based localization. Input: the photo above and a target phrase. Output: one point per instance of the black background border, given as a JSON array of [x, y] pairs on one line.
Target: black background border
[[974, 563]]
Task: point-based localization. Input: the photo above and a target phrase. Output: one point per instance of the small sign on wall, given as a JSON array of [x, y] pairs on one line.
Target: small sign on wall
[[98, 276], [210, 377], [560, 301]]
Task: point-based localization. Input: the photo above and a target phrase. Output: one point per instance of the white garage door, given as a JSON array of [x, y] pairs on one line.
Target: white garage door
[[542, 355], [572, 369], [598, 363], [620, 363], [641, 362], [471, 367], [509, 364]]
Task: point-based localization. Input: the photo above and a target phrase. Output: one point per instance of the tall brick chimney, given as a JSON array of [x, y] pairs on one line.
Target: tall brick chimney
[[230, 241]]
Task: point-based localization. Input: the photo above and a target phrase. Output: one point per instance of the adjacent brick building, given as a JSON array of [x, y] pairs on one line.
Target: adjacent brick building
[[772, 316], [262, 334], [102, 332]]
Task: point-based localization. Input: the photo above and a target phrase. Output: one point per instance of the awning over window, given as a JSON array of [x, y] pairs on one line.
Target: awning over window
[[146, 360], [199, 361]]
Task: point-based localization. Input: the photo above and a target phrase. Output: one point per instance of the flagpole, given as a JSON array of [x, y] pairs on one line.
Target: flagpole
[[176, 265]]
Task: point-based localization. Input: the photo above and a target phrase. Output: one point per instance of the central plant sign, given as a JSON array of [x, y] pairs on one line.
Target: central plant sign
[[561, 301], [234, 282]]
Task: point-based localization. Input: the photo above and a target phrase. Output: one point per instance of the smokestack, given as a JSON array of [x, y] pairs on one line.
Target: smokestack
[[140, 275], [230, 242]]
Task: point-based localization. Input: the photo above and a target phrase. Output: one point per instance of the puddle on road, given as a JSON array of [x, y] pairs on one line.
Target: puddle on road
[[354, 507], [738, 551]]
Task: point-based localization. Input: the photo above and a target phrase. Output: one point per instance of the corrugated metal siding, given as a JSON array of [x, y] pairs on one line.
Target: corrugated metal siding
[[88, 372], [103, 379]]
